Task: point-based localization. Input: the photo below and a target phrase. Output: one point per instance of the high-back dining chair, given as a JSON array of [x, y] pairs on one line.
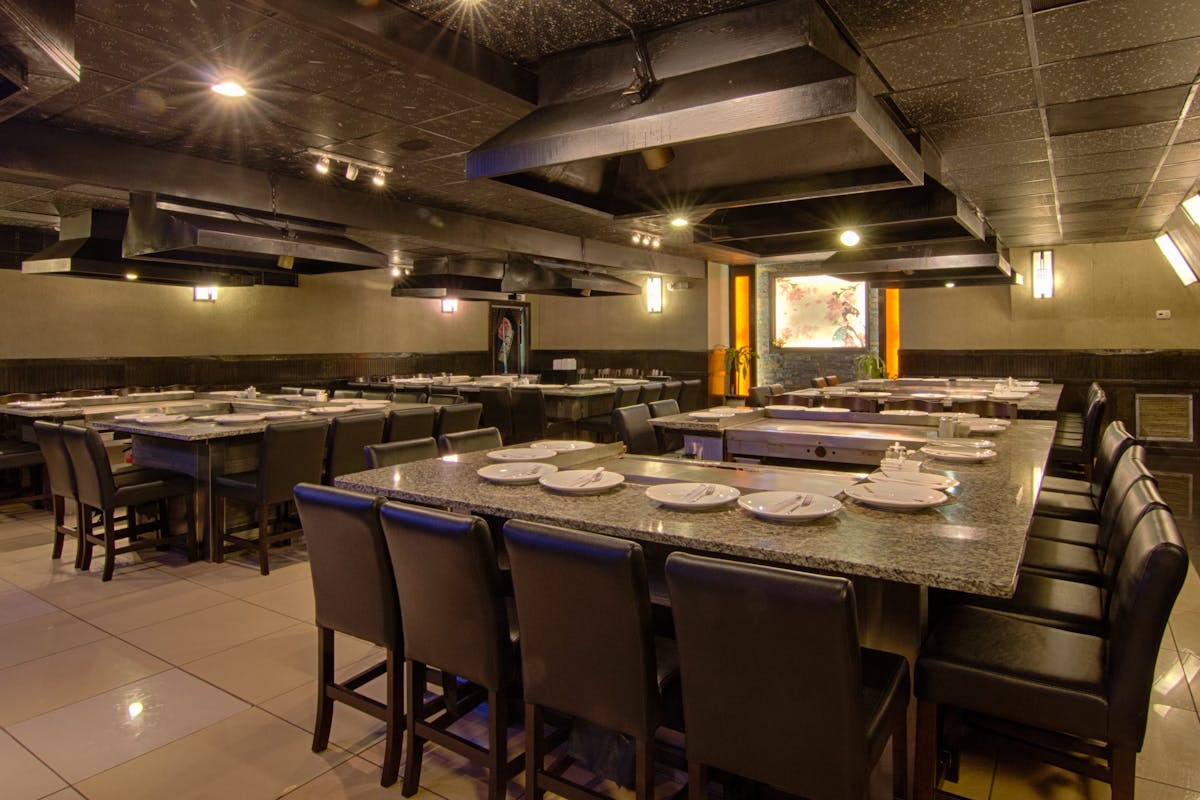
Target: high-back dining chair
[[348, 435], [457, 418], [412, 423], [470, 441], [392, 453]]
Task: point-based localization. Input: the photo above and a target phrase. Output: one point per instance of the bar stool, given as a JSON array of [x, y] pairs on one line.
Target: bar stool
[[62, 486], [100, 490], [469, 441], [1115, 440], [412, 423], [390, 454], [1089, 534], [409, 396], [760, 396], [348, 435], [668, 440], [649, 392], [455, 619], [587, 646], [844, 701], [671, 390], [458, 418], [290, 453]]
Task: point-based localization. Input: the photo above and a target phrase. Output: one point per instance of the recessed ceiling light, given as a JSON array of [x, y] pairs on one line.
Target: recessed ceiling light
[[323, 165], [229, 89], [850, 238], [395, 272], [636, 238], [949, 284], [131, 276], [378, 178], [679, 222]]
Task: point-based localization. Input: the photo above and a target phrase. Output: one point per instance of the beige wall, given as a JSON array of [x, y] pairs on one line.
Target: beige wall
[[1105, 297], [622, 323], [54, 317]]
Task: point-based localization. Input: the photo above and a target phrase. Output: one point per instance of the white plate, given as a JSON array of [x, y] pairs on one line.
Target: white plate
[[528, 472], [958, 414], [522, 454], [708, 416], [690, 496], [967, 397], [230, 393], [329, 411], [237, 419], [39, 404], [905, 412], [128, 417], [827, 409], [369, 404], [963, 455], [160, 419], [895, 495], [581, 481], [929, 395], [987, 427], [622, 381], [874, 394], [789, 506], [283, 415], [1009, 395], [961, 444], [927, 480], [725, 411], [563, 445]]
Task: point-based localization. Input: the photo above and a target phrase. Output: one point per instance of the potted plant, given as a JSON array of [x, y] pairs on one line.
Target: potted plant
[[869, 365], [737, 364]]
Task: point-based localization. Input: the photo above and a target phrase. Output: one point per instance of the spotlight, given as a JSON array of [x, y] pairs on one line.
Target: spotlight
[[229, 89], [679, 222], [850, 238], [656, 242], [351, 172], [131, 276], [323, 165], [395, 272], [378, 179], [636, 238], [949, 284]]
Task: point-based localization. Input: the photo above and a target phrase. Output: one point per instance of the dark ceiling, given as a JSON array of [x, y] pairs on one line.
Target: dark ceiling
[[1059, 121]]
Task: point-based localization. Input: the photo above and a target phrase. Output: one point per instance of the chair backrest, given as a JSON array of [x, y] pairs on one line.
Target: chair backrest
[[744, 667], [1092, 418], [290, 453], [376, 394], [759, 396], [393, 453], [671, 390], [568, 582], [851, 403], [451, 594], [1130, 469], [1114, 442], [458, 418], [913, 403], [469, 441], [497, 410], [444, 399], [667, 440], [1147, 584], [691, 396], [290, 390], [411, 423], [819, 383], [528, 414], [58, 462], [348, 435], [1142, 498], [626, 396], [649, 392], [663, 408], [986, 408], [89, 463], [776, 389], [409, 396], [832, 380], [353, 585], [346, 394], [632, 424]]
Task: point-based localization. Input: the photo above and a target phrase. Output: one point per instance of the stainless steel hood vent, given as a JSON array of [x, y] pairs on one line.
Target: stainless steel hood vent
[[755, 105], [495, 279], [915, 266], [164, 231], [37, 52], [89, 246]]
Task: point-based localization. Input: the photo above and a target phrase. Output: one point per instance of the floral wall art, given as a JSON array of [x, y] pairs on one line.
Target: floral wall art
[[818, 311]]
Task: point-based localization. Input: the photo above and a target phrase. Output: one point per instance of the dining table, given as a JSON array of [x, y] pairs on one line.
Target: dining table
[[1033, 399]]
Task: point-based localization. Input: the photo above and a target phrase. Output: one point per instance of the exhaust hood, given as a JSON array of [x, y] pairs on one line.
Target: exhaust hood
[[915, 266], [166, 231], [755, 105], [89, 246], [497, 279]]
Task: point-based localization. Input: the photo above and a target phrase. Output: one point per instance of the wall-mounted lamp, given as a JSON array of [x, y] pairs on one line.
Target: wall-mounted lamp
[[1187, 275], [204, 294], [1043, 274], [449, 305], [654, 295]]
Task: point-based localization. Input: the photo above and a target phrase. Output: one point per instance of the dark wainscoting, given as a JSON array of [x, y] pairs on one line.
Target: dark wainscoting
[[675, 363], [216, 372], [1123, 373]]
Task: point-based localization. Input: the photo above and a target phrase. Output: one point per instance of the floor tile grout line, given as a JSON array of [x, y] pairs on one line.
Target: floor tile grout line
[[39, 759]]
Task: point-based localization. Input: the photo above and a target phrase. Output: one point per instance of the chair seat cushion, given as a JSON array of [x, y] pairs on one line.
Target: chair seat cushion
[[885, 686], [1057, 559], [1066, 485], [1060, 603], [1086, 534], [150, 488], [995, 664], [14, 454], [239, 486], [1066, 506]]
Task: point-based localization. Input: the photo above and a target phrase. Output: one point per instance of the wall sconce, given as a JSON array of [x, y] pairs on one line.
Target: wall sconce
[[1166, 243], [1043, 274], [204, 294], [449, 305], [654, 295]]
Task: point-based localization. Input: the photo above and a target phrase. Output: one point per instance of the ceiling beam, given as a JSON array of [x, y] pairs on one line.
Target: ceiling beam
[[32, 151]]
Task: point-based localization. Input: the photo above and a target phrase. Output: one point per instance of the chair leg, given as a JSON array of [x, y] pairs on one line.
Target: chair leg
[[645, 767], [218, 542], [79, 537], [1122, 763], [394, 736], [535, 743], [497, 744], [324, 721], [415, 674], [925, 780], [59, 505], [86, 531], [697, 781], [110, 543], [192, 544], [900, 754], [263, 543]]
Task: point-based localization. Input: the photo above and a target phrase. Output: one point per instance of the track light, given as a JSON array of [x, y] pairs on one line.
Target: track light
[[645, 239], [323, 165], [636, 238], [325, 160], [378, 178], [351, 172]]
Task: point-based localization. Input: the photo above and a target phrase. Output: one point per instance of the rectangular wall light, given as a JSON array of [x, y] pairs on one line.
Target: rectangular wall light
[[1191, 207], [204, 294], [1187, 275], [654, 295], [1043, 274], [449, 305]]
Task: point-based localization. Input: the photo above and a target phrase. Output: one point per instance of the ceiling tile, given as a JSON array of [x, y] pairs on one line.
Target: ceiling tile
[[1106, 162], [1159, 105], [1187, 170], [1112, 178], [328, 117], [404, 143], [1178, 187], [872, 22], [92, 85], [1007, 174], [116, 52], [190, 26], [1112, 140], [1184, 152], [1086, 29], [1106, 192], [1008, 127], [976, 97], [403, 97], [1001, 153], [12, 192], [936, 58], [1189, 131], [982, 194], [1002, 204], [473, 126], [1121, 204], [1154, 67]]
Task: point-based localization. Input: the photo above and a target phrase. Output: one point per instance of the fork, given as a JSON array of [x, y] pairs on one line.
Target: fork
[[801, 502], [700, 492], [592, 478]]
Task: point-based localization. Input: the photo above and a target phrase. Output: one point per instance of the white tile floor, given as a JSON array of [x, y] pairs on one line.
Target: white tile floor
[[181, 680]]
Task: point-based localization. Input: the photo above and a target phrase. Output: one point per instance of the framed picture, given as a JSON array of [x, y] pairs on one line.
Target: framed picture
[[818, 311], [508, 337]]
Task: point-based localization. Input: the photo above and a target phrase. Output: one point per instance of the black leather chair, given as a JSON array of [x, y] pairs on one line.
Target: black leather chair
[[392, 453], [776, 389], [497, 410], [61, 478], [1115, 440], [759, 396], [444, 396], [745, 667], [691, 396], [529, 416], [469, 441], [457, 418], [601, 424], [1083, 507], [671, 390], [452, 601], [1090, 534], [587, 645], [100, 490], [346, 394], [355, 594], [376, 394], [913, 404], [410, 396], [649, 392], [289, 453], [1084, 699], [411, 423], [1078, 452], [832, 380], [348, 435], [668, 440], [632, 424]]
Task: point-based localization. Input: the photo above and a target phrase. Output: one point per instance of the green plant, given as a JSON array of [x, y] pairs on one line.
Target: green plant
[[869, 365], [737, 364]]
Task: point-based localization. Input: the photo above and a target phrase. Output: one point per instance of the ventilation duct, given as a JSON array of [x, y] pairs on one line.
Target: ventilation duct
[[496, 279], [37, 52]]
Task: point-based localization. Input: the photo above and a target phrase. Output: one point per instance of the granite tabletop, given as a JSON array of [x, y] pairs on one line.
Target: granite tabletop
[[1042, 401], [974, 543]]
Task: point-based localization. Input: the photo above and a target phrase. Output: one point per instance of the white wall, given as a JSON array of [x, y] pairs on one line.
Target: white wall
[[1105, 297]]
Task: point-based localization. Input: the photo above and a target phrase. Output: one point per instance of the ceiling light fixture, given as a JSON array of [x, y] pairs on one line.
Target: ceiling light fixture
[[679, 222], [395, 272], [645, 239], [379, 179], [131, 276], [351, 172], [849, 238], [1191, 207], [1187, 275], [323, 165], [228, 88], [326, 159]]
